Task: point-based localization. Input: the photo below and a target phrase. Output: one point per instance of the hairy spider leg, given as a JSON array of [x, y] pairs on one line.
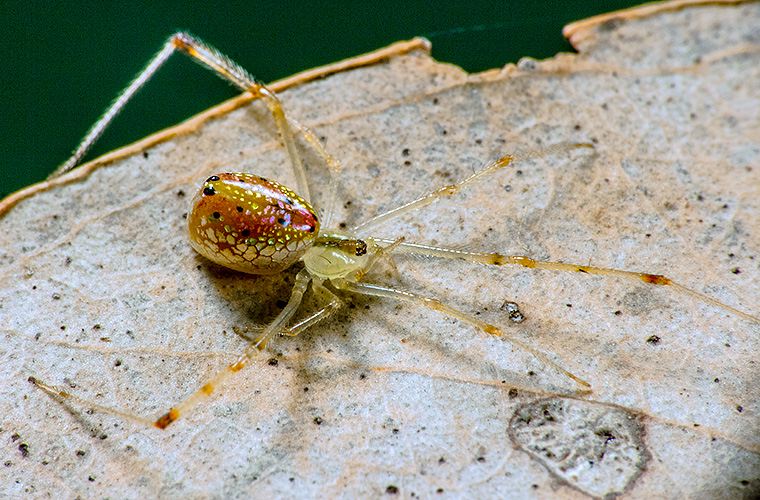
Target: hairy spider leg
[[114, 109], [227, 69], [222, 66], [65, 395], [321, 314], [436, 305]]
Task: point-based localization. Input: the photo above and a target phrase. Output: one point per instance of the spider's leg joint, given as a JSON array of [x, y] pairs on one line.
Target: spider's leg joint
[[169, 417], [655, 279]]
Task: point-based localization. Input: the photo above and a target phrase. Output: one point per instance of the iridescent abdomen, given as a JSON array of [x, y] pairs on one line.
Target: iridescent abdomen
[[250, 224]]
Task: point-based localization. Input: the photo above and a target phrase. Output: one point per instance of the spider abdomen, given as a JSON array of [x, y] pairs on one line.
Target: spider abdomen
[[250, 224]]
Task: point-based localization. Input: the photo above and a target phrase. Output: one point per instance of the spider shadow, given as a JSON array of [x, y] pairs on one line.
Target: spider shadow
[[247, 299], [313, 377]]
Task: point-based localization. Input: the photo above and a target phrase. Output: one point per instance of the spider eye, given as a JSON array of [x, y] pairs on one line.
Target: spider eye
[[213, 178], [209, 191]]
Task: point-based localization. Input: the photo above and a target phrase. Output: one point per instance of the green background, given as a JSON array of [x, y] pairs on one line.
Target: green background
[[63, 62]]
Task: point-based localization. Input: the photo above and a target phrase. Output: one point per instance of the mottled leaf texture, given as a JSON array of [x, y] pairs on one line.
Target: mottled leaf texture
[[102, 294]]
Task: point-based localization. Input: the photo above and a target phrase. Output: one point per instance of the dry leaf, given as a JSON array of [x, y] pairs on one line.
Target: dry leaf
[[103, 294]]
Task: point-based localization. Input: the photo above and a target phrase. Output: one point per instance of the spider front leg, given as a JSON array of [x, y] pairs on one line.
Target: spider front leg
[[230, 71], [436, 305], [207, 389]]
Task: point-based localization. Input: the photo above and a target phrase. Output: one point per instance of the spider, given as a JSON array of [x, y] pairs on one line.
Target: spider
[[258, 226]]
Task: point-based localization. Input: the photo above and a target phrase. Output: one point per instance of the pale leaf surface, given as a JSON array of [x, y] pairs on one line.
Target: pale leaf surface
[[102, 294]]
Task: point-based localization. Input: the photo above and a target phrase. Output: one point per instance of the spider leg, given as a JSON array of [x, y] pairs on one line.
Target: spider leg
[[452, 189], [498, 259], [333, 303], [114, 109], [60, 393], [437, 305], [321, 314], [299, 288], [329, 196], [392, 267], [225, 68]]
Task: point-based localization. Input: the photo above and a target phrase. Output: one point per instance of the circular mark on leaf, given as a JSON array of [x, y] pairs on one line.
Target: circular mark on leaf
[[594, 448]]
